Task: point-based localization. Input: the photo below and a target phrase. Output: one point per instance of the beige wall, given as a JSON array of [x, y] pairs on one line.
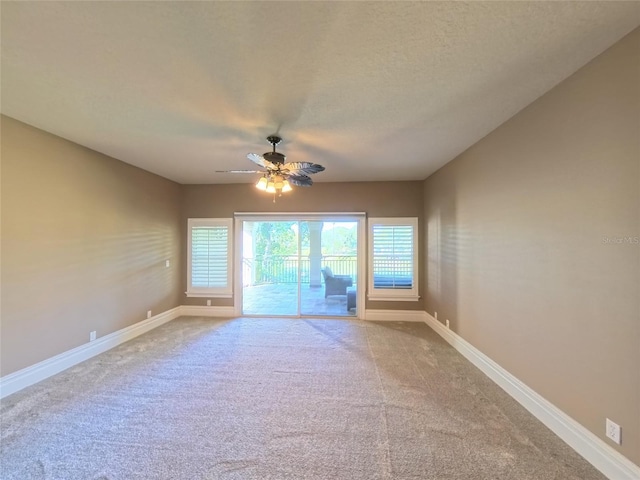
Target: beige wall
[[517, 254], [377, 199], [84, 242]]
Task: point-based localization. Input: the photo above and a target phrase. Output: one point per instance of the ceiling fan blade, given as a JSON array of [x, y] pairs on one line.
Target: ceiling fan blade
[[300, 180], [259, 160], [302, 168], [240, 171]]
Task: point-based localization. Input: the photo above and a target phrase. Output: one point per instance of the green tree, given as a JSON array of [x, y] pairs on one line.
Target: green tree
[[340, 240], [275, 241]]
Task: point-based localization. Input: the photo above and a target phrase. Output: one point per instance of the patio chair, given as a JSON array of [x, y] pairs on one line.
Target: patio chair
[[335, 284]]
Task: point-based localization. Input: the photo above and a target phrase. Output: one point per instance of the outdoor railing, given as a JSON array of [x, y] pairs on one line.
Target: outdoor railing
[[286, 269], [341, 265]]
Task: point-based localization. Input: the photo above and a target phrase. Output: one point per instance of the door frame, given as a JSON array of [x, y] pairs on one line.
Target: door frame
[[359, 217]]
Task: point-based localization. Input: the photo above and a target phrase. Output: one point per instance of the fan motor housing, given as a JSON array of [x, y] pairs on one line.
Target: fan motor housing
[[275, 157]]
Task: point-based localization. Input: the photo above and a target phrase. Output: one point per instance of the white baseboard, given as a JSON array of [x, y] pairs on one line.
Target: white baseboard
[[16, 381], [394, 315], [610, 462], [203, 311]]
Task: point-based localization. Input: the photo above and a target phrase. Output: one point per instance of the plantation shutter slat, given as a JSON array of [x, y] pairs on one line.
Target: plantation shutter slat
[[393, 252], [209, 257]]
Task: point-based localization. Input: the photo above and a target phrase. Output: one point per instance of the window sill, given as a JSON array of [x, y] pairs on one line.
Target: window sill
[[208, 295], [392, 298]]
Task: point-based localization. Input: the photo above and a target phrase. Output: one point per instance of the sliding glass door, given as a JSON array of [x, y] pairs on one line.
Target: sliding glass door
[[270, 268], [299, 267], [333, 268]]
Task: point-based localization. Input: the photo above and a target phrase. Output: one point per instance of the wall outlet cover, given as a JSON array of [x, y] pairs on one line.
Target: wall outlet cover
[[613, 431]]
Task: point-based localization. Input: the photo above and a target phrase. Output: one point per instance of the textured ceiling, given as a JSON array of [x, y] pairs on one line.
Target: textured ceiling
[[373, 91]]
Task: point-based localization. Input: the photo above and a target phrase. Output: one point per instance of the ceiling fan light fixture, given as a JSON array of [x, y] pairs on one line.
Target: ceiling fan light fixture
[[262, 184], [279, 177]]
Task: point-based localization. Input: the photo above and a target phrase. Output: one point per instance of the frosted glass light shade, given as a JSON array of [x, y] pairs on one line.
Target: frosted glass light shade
[[262, 184]]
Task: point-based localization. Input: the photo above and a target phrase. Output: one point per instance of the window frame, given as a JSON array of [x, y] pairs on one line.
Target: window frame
[[393, 294], [210, 292]]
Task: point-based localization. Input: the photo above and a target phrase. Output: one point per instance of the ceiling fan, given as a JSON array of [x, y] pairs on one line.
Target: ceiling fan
[[277, 176]]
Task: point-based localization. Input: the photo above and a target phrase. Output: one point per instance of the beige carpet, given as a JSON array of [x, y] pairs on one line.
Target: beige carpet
[[278, 399]]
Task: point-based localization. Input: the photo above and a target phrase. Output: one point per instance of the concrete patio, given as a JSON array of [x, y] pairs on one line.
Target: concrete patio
[[281, 299]]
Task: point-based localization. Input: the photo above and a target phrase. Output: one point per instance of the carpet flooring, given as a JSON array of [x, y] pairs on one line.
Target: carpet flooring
[[253, 398]]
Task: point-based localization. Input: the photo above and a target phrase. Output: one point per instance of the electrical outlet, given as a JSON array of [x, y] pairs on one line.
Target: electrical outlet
[[447, 323], [613, 431], [435, 314], [92, 336], [167, 263], [208, 303], [148, 313]]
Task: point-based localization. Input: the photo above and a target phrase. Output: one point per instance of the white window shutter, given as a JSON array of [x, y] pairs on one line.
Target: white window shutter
[[210, 259], [209, 256], [393, 256], [393, 259]]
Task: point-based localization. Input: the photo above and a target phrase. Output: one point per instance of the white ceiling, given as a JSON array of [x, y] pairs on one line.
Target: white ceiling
[[373, 91]]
